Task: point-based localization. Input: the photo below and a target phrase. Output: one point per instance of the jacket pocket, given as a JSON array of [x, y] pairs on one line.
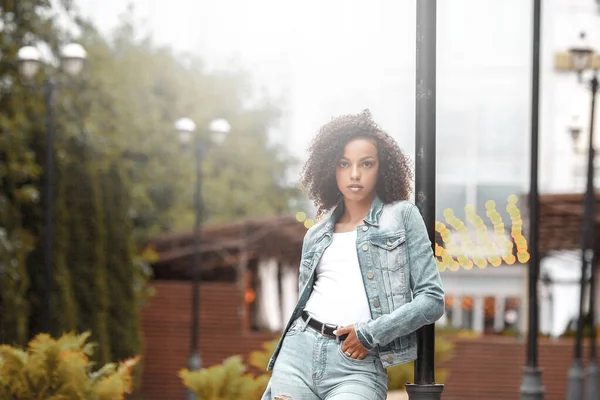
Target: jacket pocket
[[389, 251]]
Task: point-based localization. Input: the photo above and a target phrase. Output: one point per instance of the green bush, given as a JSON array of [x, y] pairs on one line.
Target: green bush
[[227, 381], [61, 369], [259, 359]]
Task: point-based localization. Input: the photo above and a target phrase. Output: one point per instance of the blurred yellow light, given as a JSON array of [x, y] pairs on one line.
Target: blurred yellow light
[[468, 251], [300, 216], [308, 223]]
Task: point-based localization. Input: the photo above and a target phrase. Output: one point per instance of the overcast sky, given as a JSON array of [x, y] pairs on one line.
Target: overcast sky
[[338, 56], [327, 57]]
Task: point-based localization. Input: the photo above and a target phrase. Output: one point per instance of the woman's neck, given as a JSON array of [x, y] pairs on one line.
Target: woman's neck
[[355, 212]]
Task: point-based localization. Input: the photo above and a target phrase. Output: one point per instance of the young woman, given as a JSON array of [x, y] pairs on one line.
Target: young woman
[[368, 277]]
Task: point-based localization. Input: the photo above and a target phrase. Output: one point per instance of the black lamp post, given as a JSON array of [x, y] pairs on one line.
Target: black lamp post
[[581, 57], [187, 134], [531, 384], [424, 387], [72, 61]]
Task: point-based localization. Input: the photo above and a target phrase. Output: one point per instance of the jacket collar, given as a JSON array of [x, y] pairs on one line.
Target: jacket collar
[[372, 217]]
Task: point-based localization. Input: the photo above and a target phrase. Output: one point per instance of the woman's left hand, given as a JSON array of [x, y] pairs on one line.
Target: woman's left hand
[[351, 346]]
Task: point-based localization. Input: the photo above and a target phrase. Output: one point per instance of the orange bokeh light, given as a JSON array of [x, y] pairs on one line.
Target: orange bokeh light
[[249, 296]]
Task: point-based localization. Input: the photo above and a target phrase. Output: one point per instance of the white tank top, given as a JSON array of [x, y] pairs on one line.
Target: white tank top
[[338, 296]]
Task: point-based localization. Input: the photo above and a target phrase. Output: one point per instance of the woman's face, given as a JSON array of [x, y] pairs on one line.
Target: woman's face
[[357, 170]]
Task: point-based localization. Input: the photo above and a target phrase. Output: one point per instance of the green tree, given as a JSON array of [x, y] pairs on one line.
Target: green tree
[[87, 251], [80, 286], [142, 89], [21, 135], [120, 175], [124, 328]]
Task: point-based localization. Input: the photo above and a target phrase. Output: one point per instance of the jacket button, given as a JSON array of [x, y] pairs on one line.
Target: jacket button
[[376, 304], [390, 359], [365, 247], [365, 228], [370, 275], [389, 243]]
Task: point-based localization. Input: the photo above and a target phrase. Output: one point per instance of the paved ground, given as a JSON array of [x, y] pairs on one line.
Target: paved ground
[[397, 395]]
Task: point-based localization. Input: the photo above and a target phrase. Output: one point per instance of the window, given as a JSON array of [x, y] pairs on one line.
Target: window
[[270, 295], [501, 148], [453, 138], [449, 310], [467, 313], [512, 315], [451, 196]]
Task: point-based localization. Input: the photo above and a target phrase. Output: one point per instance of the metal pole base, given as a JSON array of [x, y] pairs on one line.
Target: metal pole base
[[531, 386], [194, 364], [190, 395], [575, 390], [592, 381], [424, 392]]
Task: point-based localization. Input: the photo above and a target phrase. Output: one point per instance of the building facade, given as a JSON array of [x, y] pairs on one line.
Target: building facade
[[484, 111]]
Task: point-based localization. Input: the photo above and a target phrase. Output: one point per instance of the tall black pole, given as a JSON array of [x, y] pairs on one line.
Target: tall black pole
[[49, 96], [576, 375], [589, 218], [424, 387], [531, 384], [195, 361]]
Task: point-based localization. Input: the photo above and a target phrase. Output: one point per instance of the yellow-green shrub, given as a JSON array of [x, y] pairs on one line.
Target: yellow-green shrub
[[227, 381], [61, 370], [259, 359]]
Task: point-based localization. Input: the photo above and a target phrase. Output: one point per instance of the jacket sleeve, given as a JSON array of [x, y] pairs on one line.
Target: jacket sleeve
[[301, 282], [427, 304]]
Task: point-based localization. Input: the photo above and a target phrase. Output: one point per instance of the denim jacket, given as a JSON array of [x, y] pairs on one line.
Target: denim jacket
[[401, 278]]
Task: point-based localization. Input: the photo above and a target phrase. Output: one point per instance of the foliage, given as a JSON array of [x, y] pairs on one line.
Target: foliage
[[120, 175], [93, 245], [14, 247], [259, 359], [19, 169], [142, 89], [86, 251], [90, 206], [227, 381], [400, 375], [61, 370], [128, 279]]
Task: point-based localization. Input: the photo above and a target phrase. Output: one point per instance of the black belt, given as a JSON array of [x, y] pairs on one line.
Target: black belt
[[322, 328]]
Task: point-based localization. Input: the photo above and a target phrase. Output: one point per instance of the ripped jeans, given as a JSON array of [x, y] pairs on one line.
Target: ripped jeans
[[311, 366]]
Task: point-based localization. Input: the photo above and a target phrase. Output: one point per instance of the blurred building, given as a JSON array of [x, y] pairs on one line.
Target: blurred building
[[484, 92]]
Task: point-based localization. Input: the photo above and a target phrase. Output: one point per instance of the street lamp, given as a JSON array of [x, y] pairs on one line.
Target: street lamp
[[186, 128], [72, 58], [531, 383], [581, 56]]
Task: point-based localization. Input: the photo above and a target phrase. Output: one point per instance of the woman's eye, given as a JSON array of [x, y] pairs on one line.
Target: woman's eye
[[368, 163], [343, 164]]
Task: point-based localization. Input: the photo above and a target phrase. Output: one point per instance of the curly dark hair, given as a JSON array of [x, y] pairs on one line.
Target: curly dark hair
[[318, 174]]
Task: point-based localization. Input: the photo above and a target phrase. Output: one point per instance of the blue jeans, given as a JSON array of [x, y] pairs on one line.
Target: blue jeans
[[311, 366]]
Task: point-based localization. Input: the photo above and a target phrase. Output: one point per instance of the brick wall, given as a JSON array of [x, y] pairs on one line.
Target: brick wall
[[491, 368], [166, 326], [487, 368]]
